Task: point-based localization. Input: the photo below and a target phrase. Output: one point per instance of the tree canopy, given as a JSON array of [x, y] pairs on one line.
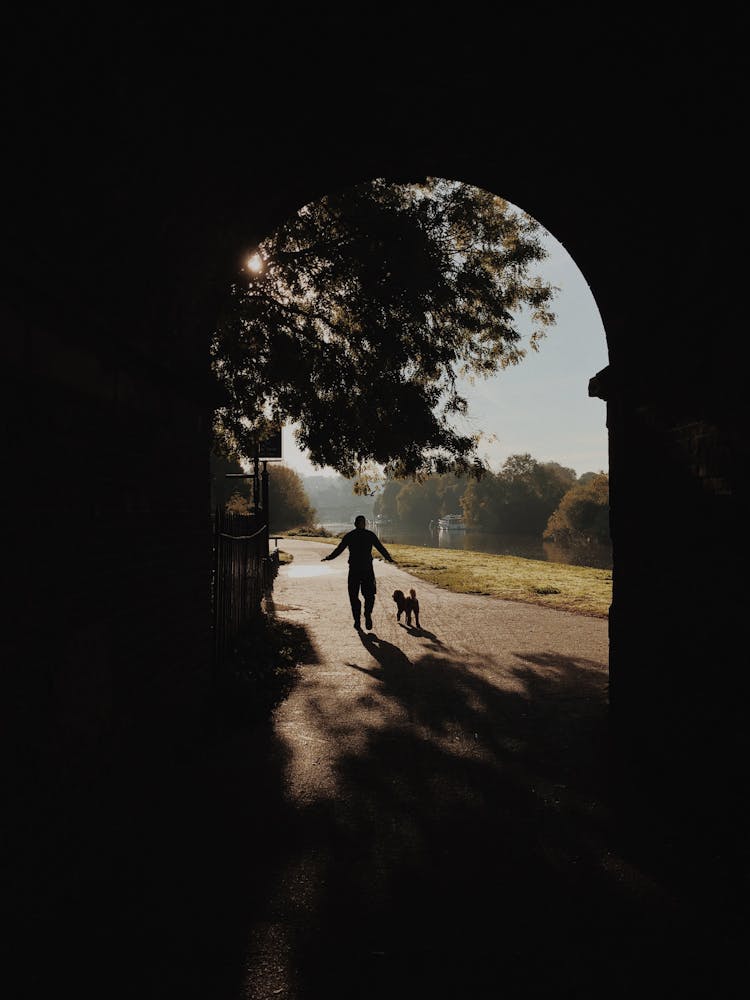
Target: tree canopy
[[583, 511], [525, 496], [361, 313], [520, 497]]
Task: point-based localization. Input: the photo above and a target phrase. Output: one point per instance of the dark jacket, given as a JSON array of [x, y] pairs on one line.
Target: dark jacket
[[360, 542]]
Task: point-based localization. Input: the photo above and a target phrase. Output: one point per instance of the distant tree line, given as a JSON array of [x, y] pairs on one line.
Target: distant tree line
[[525, 497]]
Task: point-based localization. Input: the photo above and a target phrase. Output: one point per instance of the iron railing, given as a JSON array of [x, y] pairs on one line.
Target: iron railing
[[243, 576]]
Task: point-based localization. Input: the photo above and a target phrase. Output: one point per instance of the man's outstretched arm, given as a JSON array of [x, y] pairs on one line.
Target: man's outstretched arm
[[382, 549], [338, 550]]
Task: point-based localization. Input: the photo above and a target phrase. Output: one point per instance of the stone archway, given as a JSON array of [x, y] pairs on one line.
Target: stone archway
[[128, 217], [142, 158]]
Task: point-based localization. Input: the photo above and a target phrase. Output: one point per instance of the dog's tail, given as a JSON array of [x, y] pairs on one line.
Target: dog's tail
[[413, 594]]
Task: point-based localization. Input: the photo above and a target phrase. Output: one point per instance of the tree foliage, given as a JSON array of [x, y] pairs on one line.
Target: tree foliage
[[519, 498], [583, 512], [386, 501], [420, 501], [288, 501], [367, 308]]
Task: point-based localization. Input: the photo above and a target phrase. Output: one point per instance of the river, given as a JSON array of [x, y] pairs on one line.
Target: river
[[528, 547]]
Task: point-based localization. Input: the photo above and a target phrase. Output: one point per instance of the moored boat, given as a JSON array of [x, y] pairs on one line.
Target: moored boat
[[452, 522]]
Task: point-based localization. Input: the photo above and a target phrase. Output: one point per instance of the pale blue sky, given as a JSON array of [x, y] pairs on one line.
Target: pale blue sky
[[540, 406]]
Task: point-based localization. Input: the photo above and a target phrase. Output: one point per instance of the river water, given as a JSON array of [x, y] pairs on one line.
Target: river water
[[528, 547]]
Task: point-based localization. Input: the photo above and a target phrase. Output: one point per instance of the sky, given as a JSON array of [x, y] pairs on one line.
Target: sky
[[540, 406]]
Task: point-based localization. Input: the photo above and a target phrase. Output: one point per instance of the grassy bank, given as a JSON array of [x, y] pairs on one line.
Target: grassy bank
[[579, 589]]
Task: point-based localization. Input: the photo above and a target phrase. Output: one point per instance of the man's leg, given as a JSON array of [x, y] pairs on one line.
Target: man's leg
[[368, 592], [353, 587]]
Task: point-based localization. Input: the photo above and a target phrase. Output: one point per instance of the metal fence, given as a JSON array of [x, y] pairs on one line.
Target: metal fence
[[243, 575]]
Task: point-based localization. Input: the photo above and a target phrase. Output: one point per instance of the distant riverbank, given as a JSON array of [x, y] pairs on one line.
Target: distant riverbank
[[583, 590], [590, 554]]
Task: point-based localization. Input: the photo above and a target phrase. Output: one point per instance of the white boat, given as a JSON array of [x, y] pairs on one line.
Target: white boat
[[452, 522]]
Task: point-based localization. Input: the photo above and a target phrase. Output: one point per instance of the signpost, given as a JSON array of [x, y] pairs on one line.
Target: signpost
[[270, 447]]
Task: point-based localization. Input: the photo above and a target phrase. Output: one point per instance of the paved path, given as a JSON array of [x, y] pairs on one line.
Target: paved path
[[475, 648], [448, 830], [430, 814]]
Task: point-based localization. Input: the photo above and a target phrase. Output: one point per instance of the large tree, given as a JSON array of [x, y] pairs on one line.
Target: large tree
[[357, 317]]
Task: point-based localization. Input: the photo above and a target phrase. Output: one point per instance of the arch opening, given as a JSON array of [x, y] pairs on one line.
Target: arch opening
[[399, 325]]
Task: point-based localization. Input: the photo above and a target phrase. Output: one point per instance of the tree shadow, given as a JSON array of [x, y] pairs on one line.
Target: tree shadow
[[469, 844], [472, 847]]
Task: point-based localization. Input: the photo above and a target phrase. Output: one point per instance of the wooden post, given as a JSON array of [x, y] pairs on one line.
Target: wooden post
[[266, 508], [256, 483]]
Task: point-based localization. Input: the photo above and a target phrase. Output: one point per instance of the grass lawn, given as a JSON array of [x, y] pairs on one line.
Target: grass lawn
[[579, 589]]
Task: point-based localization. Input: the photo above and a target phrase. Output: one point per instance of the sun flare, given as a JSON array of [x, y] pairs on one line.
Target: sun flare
[[255, 263]]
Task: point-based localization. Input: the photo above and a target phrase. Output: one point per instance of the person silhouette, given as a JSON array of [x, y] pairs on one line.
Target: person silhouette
[[360, 542]]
